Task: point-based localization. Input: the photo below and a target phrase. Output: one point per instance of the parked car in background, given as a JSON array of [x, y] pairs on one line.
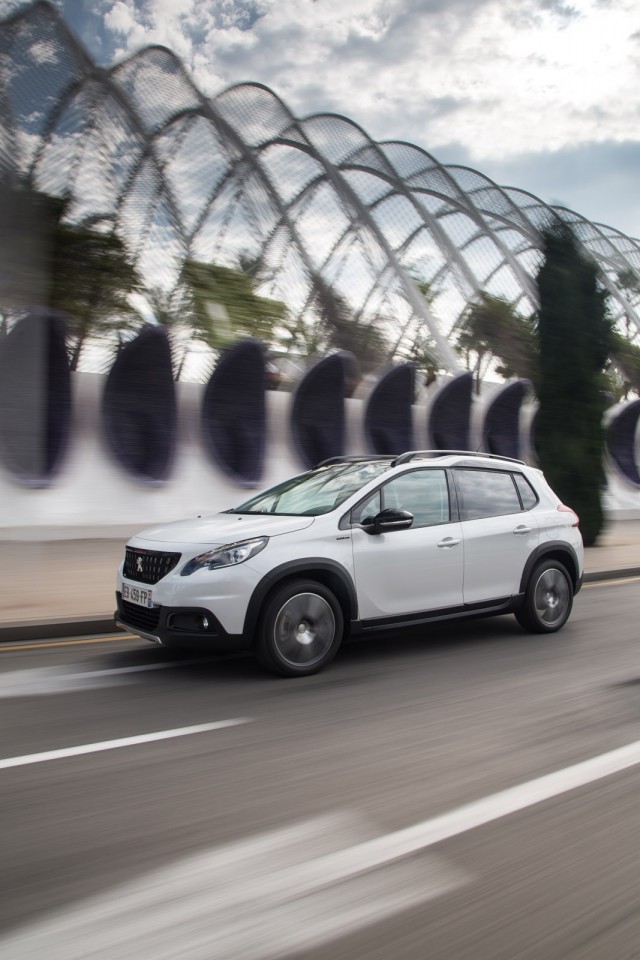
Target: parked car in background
[[357, 545]]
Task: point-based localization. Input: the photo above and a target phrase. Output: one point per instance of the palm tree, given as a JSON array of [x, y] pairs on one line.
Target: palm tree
[[338, 329], [80, 270], [91, 280], [423, 350], [492, 328]]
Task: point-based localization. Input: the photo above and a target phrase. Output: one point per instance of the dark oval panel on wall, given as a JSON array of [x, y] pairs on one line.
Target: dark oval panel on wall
[[234, 420], [139, 410], [35, 398], [449, 417], [388, 424], [501, 424], [317, 409], [620, 441]]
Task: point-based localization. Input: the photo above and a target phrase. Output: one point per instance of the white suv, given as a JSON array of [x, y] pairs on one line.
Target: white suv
[[357, 545]]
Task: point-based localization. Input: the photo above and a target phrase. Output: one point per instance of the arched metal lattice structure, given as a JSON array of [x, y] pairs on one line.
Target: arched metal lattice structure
[[139, 149]]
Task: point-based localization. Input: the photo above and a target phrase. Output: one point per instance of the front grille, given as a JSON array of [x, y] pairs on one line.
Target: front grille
[[148, 566], [141, 617]]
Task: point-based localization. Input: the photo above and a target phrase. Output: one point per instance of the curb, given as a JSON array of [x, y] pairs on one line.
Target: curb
[[59, 628], [56, 628], [598, 575]]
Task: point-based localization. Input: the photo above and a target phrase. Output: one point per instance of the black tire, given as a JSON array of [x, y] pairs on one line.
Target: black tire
[[548, 598], [300, 629]]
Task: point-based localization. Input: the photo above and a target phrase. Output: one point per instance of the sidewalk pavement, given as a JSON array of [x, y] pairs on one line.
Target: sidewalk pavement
[[64, 588]]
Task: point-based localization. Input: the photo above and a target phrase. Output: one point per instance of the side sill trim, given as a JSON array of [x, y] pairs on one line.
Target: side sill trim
[[457, 613]]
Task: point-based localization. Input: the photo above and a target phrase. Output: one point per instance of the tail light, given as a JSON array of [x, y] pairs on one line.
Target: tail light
[[563, 509]]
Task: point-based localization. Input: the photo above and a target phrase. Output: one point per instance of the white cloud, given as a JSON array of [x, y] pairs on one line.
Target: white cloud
[[120, 18], [487, 79], [537, 69]]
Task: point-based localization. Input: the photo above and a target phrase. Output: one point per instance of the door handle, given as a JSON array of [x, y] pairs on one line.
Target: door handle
[[448, 542], [521, 530]]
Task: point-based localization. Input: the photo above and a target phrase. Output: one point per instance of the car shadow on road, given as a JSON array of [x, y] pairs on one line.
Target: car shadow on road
[[369, 650]]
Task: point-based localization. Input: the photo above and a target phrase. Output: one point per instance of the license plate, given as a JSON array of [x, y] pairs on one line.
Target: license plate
[[140, 595]]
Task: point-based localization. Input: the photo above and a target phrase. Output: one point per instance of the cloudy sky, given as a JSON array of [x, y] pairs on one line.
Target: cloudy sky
[[537, 94]]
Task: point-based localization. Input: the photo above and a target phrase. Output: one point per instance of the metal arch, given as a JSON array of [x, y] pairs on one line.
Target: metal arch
[[346, 192], [400, 188], [524, 279], [251, 156], [509, 258], [94, 75], [450, 251], [225, 130], [351, 229], [252, 161], [428, 226], [468, 206], [147, 152], [599, 257], [610, 252]]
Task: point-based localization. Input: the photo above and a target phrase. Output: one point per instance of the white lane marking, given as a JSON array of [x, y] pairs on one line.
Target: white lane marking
[[502, 804], [45, 681], [115, 744], [258, 899], [270, 896]]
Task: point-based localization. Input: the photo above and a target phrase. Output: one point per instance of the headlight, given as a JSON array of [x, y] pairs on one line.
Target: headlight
[[226, 556]]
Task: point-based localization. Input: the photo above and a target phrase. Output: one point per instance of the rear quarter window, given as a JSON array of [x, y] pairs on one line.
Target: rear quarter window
[[527, 494]]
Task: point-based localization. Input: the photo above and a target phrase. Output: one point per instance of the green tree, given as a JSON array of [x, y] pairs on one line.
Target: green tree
[[80, 270], [91, 279], [422, 350], [626, 358], [574, 337], [629, 282], [330, 324], [220, 304], [492, 328], [624, 371]]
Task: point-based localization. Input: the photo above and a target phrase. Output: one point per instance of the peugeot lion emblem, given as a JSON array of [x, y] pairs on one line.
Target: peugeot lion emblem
[[139, 564]]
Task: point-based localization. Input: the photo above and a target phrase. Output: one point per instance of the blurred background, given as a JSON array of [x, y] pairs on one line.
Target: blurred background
[[200, 294]]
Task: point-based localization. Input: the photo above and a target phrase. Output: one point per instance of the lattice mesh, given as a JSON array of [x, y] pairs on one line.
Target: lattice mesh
[[178, 175]]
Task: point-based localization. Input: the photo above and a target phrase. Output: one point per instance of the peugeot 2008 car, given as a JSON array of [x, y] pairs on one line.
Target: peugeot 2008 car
[[356, 545]]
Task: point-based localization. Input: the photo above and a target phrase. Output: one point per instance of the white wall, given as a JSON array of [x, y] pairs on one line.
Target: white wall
[[92, 496]]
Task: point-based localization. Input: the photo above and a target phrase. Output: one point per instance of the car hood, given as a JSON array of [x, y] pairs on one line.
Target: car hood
[[221, 528]]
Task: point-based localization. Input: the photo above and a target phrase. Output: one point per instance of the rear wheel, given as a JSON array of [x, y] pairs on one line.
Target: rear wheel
[[301, 629], [548, 598]]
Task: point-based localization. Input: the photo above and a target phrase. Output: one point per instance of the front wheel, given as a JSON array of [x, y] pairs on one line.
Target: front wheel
[[548, 598], [301, 629]]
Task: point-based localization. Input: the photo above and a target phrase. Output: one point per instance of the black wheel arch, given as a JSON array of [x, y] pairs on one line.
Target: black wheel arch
[[327, 572], [554, 550]]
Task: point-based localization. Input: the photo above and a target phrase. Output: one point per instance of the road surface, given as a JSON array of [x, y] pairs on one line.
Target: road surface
[[467, 792]]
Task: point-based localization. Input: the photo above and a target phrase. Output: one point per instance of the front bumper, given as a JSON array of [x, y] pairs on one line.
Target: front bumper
[[177, 626]]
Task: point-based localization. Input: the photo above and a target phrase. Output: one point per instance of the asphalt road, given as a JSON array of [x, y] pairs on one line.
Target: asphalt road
[[367, 812]]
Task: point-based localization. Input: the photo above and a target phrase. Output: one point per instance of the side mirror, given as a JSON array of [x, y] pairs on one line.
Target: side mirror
[[389, 519]]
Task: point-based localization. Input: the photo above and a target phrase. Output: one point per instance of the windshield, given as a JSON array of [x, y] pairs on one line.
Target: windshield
[[312, 494]]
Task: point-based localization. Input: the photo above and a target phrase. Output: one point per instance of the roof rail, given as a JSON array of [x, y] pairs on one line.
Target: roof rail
[[410, 454], [358, 458]]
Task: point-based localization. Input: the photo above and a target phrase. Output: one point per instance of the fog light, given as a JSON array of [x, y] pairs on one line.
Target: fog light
[[204, 623]]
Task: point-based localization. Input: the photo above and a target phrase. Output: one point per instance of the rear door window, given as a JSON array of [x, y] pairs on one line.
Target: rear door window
[[486, 493]]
